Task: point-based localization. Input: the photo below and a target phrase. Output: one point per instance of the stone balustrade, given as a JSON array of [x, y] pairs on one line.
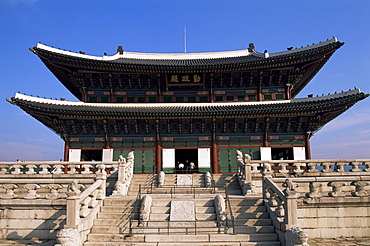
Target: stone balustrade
[[282, 207], [125, 174], [247, 168], [36, 189], [244, 173], [53, 167], [336, 186], [51, 190]]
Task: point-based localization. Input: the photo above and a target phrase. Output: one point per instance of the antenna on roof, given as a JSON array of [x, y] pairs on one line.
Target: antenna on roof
[[184, 39]]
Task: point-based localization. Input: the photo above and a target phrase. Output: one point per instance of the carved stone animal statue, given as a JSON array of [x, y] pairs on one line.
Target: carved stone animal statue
[[295, 236], [220, 208], [68, 237], [267, 167], [120, 189], [121, 159], [146, 204], [208, 179], [161, 177], [239, 155], [247, 158]]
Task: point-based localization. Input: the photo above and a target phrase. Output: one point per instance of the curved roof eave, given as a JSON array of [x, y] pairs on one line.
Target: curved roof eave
[[43, 101], [125, 55]]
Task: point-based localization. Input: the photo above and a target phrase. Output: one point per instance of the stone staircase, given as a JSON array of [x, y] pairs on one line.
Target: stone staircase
[[252, 223]]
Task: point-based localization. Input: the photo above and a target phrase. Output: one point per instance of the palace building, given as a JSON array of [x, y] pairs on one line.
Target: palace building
[[187, 107]]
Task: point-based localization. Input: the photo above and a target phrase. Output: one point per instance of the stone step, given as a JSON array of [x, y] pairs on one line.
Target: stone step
[[119, 209], [272, 243], [164, 224], [176, 238], [257, 215], [246, 202], [248, 209], [243, 237], [111, 222], [253, 229], [159, 230], [126, 201], [253, 222], [116, 216], [198, 202], [198, 210], [160, 210]]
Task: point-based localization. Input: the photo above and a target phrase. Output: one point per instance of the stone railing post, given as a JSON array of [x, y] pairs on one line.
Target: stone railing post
[[73, 205], [101, 175], [266, 174], [326, 167], [339, 167], [312, 167], [298, 169], [17, 169], [247, 168], [31, 191], [284, 169], [9, 191], [314, 190], [355, 165], [54, 194], [360, 188], [336, 189], [73, 210], [290, 205]]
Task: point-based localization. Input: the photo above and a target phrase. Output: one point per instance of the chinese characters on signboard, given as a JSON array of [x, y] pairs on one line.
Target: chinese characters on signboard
[[187, 79]]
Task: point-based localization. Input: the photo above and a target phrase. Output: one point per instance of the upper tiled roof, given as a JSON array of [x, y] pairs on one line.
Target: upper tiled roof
[[186, 59]]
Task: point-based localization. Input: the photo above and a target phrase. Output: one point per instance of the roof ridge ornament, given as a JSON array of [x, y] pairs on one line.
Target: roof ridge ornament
[[120, 50], [251, 47]]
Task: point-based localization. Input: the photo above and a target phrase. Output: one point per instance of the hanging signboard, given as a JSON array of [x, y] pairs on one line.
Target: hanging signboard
[[188, 79]]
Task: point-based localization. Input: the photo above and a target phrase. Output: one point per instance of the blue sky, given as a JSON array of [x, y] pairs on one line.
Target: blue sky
[[157, 26]]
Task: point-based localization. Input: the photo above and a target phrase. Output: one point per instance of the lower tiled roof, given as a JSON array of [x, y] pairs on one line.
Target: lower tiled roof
[[306, 106]]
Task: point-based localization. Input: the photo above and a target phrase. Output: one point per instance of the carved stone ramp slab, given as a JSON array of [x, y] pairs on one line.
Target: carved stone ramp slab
[[184, 179], [182, 211]]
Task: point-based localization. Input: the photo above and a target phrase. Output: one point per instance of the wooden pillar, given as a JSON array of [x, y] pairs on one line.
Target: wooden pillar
[[288, 91], [107, 143], [265, 140], [158, 149], [66, 150], [158, 156], [259, 92], [159, 96], [83, 91], [214, 157], [214, 149], [211, 96], [308, 145], [265, 135]]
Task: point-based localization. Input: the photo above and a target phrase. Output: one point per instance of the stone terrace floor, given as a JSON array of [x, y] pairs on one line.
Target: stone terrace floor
[[311, 242], [339, 242]]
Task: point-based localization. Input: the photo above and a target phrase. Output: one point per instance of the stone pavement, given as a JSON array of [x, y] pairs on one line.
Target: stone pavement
[[339, 242], [27, 242], [311, 242]]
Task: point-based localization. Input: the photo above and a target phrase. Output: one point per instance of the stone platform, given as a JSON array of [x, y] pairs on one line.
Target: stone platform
[[339, 242]]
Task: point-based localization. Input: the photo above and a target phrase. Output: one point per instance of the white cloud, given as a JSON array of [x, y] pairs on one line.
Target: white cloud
[[348, 120]]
